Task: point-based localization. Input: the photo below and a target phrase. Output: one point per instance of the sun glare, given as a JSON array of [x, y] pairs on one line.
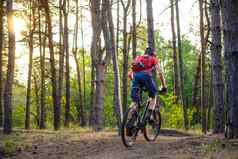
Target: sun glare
[[19, 26]]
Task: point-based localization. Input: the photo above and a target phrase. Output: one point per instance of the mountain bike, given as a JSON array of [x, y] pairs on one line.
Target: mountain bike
[[140, 121]]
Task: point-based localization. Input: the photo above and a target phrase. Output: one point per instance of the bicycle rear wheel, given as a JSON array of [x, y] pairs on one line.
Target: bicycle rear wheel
[[129, 134], [152, 129]]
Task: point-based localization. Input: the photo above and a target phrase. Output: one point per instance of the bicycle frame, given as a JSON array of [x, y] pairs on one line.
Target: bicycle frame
[[141, 118]]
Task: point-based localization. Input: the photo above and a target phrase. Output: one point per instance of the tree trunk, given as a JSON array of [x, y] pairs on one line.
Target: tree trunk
[[97, 108], [150, 23], [42, 66], [31, 48], [125, 55], [118, 27], [7, 124], [100, 60], [99, 98], [181, 75], [61, 51], [175, 59], [134, 42], [110, 43], [55, 93], [203, 51], [83, 122], [210, 100], [79, 107], [230, 19], [92, 91], [196, 84], [1, 52], [36, 91], [67, 72], [218, 86]]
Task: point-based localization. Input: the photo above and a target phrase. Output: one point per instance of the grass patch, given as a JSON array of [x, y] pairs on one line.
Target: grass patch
[[10, 144]]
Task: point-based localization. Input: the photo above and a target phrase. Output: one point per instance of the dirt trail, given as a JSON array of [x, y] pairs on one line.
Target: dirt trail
[[107, 145]]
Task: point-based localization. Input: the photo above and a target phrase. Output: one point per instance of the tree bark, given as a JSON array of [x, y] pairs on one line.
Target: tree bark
[[196, 84], [83, 122], [150, 23], [218, 86], [36, 91], [7, 124], [31, 48], [118, 27], [230, 20], [134, 41], [203, 51], [110, 46], [125, 55], [92, 91], [67, 72], [61, 51], [42, 66], [1, 53], [79, 107], [175, 59], [55, 93], [181, 69]]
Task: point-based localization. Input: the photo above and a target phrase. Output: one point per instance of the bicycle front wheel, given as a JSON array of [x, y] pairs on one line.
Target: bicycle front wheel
[[129, 129], [152, 128]]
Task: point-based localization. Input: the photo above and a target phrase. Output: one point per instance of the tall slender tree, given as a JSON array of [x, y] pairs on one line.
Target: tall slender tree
[[181, 68], [80, 107], [150, 23], [67, 72], [230, 20], [112, 49], [31, 46], [118, 26], [83, 123], [203, 52], [125, 54], [134, 40], [218, 86], [42, 66], [7, 124], [175, 59], [55, 93], [1, 53], [61, 52], [101, 60]]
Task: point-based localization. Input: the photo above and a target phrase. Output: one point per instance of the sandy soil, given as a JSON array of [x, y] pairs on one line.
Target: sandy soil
[[108, 145]]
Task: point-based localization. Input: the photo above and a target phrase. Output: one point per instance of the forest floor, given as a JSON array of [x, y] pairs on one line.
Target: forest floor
[[107, 145]]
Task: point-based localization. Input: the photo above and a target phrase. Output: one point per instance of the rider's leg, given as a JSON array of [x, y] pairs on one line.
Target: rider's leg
[[152, 103], [133, 110], [152, 88], [134, 96]]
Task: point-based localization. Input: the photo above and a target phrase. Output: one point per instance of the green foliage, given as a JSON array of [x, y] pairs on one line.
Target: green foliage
[[172, 112], [8, 147], [9, 144], [18, 105], [172, 115]]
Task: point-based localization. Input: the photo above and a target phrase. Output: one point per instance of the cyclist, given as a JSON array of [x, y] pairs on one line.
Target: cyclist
[[142, 69]]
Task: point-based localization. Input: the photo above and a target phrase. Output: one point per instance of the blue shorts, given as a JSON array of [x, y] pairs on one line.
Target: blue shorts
[[142, 80]]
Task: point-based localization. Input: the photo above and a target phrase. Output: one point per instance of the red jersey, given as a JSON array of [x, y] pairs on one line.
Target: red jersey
[[144, 63]]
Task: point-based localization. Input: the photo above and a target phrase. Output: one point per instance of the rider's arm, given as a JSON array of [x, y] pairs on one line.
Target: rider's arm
[[161, 75]]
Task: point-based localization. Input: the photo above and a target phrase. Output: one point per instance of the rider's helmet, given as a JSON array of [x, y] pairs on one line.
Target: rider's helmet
[[150, 51]]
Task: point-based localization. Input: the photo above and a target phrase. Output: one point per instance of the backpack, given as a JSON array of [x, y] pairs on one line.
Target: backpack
[[141, 63]]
